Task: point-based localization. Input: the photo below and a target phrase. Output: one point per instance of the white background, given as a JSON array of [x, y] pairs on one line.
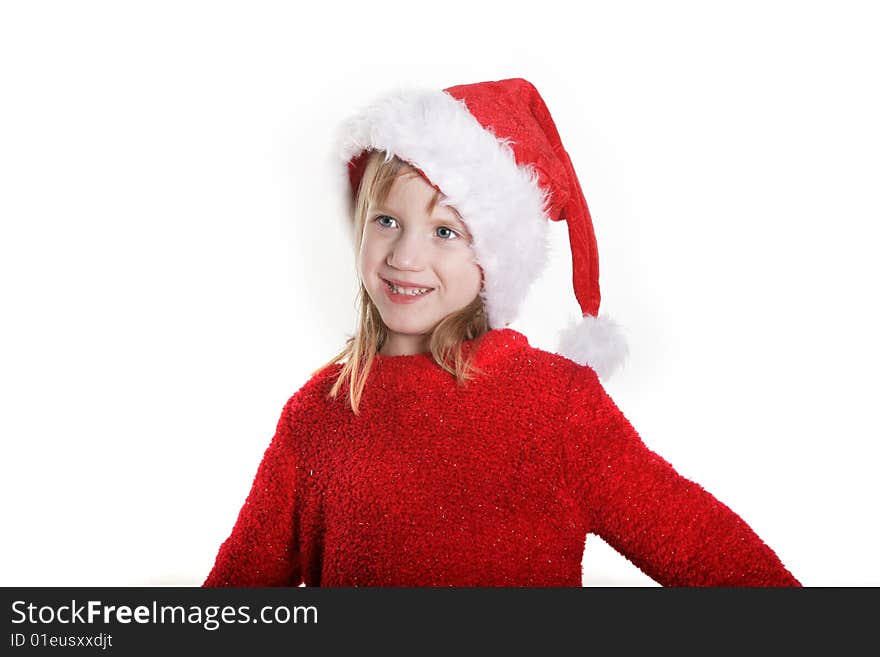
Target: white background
[[174, 263]]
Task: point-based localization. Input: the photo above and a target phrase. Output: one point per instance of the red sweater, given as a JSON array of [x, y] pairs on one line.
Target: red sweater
[[494, 484]]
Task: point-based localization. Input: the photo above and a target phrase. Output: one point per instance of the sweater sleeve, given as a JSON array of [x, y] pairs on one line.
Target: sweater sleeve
[[262, 549], [669, 527]]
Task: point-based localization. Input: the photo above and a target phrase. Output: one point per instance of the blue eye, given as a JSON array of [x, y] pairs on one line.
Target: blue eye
[[449, 229], [451, 236]]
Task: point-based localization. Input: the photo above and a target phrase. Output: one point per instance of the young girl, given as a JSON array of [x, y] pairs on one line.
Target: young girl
[[439, 448]]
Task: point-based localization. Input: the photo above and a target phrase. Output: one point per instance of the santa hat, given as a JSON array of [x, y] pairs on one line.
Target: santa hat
[[493, 150]]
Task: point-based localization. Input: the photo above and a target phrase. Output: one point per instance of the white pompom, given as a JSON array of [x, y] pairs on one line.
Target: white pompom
[[595, 341]]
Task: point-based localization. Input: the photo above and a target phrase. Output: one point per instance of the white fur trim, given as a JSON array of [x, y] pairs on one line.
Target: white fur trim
[[501, 202], [595, 341]]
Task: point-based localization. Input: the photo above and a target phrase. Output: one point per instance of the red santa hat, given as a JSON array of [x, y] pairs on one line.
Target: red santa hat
[[494, 152]]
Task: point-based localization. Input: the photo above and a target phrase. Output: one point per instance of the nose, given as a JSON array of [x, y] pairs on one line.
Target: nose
[[407, 252]]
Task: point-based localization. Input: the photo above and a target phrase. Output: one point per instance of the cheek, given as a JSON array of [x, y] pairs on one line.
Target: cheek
[[477, 279], [367, 256], [467, 276], [359, 262]]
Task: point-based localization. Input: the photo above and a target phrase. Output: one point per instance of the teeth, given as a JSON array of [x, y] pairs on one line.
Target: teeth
[[410, 292]]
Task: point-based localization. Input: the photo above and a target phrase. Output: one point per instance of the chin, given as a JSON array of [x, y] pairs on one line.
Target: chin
[[408, 328]]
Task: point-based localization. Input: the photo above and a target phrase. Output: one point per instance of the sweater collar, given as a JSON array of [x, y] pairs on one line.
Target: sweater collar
[[491, 346]]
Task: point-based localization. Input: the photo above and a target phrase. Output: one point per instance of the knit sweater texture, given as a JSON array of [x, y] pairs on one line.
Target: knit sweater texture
[[497, 483]]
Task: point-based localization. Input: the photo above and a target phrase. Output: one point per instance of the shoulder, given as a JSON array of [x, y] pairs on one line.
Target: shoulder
[[550, 381], [313, 394], [558, 371]]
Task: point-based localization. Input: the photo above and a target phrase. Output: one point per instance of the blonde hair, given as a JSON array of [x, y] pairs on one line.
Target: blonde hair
[[445, 345]]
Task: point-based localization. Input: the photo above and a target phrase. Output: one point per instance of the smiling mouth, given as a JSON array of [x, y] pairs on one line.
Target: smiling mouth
[[407, 292]]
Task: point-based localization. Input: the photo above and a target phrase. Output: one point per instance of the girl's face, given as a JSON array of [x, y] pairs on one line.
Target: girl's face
[[403, 243]]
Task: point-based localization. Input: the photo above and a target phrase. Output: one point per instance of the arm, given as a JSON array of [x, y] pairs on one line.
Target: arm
[[262, 549], [672, 529]]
